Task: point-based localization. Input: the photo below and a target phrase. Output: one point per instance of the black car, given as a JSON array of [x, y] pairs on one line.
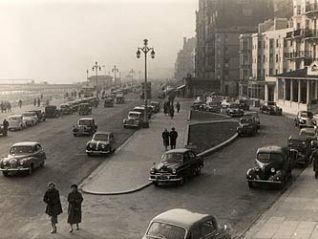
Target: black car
[[85, 126], [156, 106], [234, 111], [271, 108], [51, 111], [66, 109], [247, 126], [243, 104], [109, 102], [85, 109], [305, 119], [175, 166], [304, 148], [274, 166]]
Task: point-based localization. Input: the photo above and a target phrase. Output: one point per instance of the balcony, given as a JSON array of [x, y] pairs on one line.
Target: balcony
[[311, 10], [295, 34], [298, 55], [311, 34]]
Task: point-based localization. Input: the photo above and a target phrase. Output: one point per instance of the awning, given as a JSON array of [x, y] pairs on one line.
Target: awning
[[181, 87]]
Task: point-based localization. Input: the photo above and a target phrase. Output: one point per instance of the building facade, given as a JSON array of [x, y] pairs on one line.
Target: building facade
[[185, 60], [101, 81], [219, 24]]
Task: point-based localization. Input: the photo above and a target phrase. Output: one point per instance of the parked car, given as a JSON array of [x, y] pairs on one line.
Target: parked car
[[101, 143], [243, 104], [184, 224], [109, 102], [304, 148], [156, 106], [85, 109], [175, 166], [274, 166], [271, 108], [233, 110], [310, 133], [247, 126], [39, 114], [214, 107], [305, 119], [3, 131], [254, 115], [197, 105], [135, 119], [141, 109], [16, 122], [120, 99], [66, 109], [85, 126], [29, 118], [23, 157], [51, 111]]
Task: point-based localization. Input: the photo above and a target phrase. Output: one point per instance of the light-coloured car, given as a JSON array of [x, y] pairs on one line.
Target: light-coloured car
[[16, 122], [30, 118], [184, 224], [134, 120], [101, 143], [309, 133]]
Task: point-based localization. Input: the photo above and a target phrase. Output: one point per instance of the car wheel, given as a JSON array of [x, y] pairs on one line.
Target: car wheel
[[42, 164], [30, 171], [155, 183], [251, 185], [6, 174]]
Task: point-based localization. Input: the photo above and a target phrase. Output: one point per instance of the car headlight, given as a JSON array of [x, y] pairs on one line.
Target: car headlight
[[5, 163], [152, 170], [103, 146], [174, 171], [90, 145], [273, 170], [21, 162]]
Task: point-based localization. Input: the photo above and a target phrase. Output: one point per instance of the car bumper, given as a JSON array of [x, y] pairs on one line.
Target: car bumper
[[131, 125], [165, 178], [260, 181], [98, 152], [19, 169]]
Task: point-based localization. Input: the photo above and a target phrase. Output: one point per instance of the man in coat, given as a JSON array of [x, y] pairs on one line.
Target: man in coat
[[5, 127], [173, 138], [165, 138], [53, 204], [75, 200], [315, 162]]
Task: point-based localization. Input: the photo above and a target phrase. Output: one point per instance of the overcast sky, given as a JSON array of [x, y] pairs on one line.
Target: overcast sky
[[56, 41]]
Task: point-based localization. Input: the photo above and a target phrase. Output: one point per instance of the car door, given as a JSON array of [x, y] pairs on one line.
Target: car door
[[112, 140], [41, 154], [205, 229]]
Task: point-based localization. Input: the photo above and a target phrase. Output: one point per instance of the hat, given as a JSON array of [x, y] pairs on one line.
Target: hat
[[51, 184], [173, 128], [74, 186]]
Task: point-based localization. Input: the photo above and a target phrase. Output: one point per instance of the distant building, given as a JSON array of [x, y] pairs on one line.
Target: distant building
[[185, 59], [219, 24], [101, 81], [283, 8]]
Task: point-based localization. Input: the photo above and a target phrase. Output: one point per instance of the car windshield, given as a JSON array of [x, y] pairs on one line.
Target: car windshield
[[14, 118], [269, 157], [85, 122], [246, 120], [165, 231], [139, 109], [101, 137], [28, 114], [172, 158], [133, 115], [21, 149], [306, 114], [307, 133]]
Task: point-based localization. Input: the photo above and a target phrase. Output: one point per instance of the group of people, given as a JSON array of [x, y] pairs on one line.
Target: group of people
[[169, 138], [5, 106], [54, 206], [169, 108], [37, 102]]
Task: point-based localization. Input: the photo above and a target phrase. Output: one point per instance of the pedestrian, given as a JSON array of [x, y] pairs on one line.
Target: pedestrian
[[173, 138], [314, 156], [53, 204], [178, 106], [34, 102], [165, 108], [171, 111], [5, 127], [75, 200], [39, 102], [165, 139], [2, 106], [20, 103]]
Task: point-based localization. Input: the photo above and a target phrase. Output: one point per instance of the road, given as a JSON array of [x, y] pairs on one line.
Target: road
[[221, 189]]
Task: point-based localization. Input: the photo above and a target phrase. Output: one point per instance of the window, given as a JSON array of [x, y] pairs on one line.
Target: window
[[298, 10], [276, 57], [277, 43]]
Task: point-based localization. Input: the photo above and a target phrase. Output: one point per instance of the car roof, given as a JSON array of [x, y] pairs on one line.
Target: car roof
[[309, 130], [134, 112], [298, 137], [181, 150], [271, 149], [86, 118], [26, 143], [11, 116], [180, 217], [139, 107]]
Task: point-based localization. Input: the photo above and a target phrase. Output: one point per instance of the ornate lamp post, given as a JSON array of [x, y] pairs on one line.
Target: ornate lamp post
[[115, 70], [145, 49], [96, 68], [131, 74]]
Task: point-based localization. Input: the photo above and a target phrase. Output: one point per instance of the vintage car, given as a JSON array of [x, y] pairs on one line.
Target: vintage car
[[51, 111], [271, 108], [305, 119], [197, 105], [304, 148], [175, 166], [109, 102], [16, 122], [135, 119], [85, 126], [3, 131], [243, 104], [156, 106], [141, 109], [274, 166], [101, 143], [234, 111], [254, 115], [29, 118], [310, 133], [120, 99], [23, 157], [247, 126], [66, 109], [39, 114], [85, 109], [184, 224]]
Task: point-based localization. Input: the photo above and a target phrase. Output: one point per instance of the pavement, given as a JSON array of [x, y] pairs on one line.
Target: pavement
[[294, 215], [120, 173]]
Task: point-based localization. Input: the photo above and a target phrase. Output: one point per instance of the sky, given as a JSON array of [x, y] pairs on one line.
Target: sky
[[58, 40]]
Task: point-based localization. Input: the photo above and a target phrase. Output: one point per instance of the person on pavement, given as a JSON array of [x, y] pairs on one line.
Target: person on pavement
[[75, 200], [173, 138], [53, 204], [20, 103], [5, 127], [171, 111], [178, 106], [165, 138], [314, 156]]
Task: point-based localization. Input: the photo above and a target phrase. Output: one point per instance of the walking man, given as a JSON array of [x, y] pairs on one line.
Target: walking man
[[173, 138], [314, 156], [75, 200], [53, 204], [20, 103], [165, 139], [171, 111], [178, 106], [5, 127]]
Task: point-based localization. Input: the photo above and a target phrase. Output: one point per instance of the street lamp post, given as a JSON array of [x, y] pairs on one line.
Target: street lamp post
[[145, 49], [131, 73], [96, 68], [105, 77], [115, 70]]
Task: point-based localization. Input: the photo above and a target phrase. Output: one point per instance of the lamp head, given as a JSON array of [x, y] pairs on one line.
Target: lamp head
[[138, 53], [152, 53], [145, 42]]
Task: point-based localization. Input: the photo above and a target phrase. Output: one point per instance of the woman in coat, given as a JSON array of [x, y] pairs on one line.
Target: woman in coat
[[53, 204], [75, 200]]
